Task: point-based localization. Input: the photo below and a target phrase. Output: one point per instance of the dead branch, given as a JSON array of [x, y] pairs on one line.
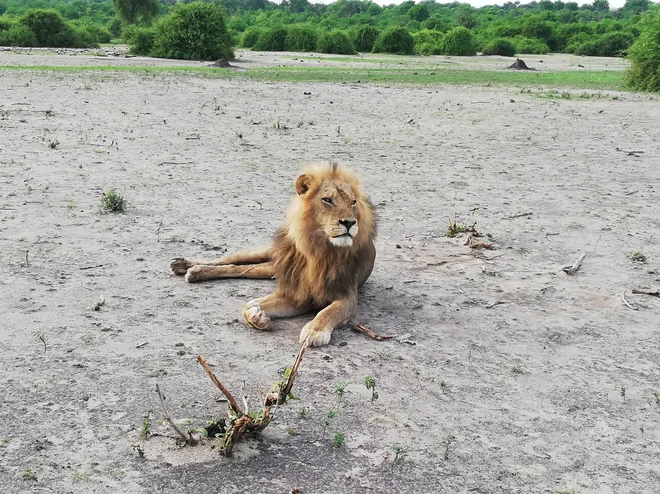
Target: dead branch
[[187, 439], [361, 328], [655, 293], [623, 297], [520, 215], [573, 269], [241, 423], [232, 401]]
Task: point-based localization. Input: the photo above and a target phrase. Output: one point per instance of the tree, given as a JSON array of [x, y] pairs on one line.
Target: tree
[[602, 5], [465, 18], [132, 10]]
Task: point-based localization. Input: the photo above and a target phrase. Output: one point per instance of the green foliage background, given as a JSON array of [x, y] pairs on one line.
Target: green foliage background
[[298, 25]]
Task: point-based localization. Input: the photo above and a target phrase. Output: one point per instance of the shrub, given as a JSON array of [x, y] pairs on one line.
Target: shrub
[[17, 35], [427, 42], [458, 42], [273, 39], [336, 41], [95, 32], [394, 40], [644, 55], [608, 45], [531, 46], [114, 26], [50, 30], [301, 38], [250, 36], [139, 39], [499, 46], [193, 31], [364, 38]]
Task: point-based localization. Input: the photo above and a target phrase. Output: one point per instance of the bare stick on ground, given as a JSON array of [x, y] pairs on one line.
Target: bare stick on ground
[[186, 438], [573, 269], [361, 328], [655, 293], [241, 422], [623, 297]]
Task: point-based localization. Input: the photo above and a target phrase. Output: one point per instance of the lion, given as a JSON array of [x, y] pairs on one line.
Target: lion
[[319, 258]]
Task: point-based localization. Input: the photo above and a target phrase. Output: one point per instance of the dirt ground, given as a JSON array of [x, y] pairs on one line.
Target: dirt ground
[[521, 378]]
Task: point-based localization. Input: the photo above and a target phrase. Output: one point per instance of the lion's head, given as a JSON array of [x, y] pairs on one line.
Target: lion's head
[[330, 210]]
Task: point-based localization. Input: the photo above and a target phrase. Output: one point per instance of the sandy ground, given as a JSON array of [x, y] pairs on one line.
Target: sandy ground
[[522, 379]]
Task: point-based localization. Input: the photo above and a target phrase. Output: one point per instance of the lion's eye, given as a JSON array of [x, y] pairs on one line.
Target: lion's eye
[[327, 200], [353, 203]]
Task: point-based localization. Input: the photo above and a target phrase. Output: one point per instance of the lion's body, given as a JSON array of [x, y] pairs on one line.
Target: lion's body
[[319, 257]]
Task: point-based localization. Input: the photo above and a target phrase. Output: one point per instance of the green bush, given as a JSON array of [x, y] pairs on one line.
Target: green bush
[[427, 42], [364, 38], [300, 37], [273, 39], [193, 31], [250, 36], [608, 45], [394, 40], [114, 26], [458, 42], [644, 55], [336, 41], [93, 31], [499, 46], [531, 46], [140, 40], [50, 30], [16, 34]]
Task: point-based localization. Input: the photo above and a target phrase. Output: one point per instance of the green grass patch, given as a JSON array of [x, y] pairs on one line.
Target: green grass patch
[[594, 80]]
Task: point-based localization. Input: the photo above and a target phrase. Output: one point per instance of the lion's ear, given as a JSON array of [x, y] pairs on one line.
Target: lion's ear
[[303, 183]]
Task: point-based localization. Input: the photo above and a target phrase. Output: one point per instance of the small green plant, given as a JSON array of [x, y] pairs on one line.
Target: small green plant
[[454, 229], [137, 447], [327, 420], [113, 202], [370, 383], [338, 439], [146, 425], [637, 256], [53, 143], [302, 412], [292, 431], [29, 476], [656, 394], [339, 388], [400, 453]]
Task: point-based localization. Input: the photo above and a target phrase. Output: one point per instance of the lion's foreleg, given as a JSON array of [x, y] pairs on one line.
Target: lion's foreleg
[[258, 312], [317, 332], [202, 272], [180, 265]]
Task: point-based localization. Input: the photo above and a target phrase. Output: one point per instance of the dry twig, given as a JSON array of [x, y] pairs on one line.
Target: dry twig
[[573, 269], [655, 293], [623, 297], [187, 439], [361, 328]]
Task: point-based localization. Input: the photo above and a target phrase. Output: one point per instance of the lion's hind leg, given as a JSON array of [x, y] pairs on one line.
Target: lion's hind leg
[[204, 272], [180, 266], [258, 312]]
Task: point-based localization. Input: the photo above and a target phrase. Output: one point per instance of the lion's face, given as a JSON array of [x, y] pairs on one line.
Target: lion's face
[[333, 204]]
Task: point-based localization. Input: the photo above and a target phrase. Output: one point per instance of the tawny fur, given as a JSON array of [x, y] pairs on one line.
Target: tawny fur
[[319, 257]]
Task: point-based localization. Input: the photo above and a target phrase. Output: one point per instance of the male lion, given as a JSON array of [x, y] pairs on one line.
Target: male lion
[[319, 258]]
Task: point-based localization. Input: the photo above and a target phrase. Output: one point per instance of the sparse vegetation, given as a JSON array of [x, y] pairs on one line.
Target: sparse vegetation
[[370, 383], [338, 439], [113, 202]]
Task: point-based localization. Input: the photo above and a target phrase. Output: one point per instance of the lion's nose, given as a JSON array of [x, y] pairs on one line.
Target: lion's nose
[[347, 223]]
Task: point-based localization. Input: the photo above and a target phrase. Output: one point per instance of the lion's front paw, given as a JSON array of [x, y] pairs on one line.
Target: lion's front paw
[[255, 316], [179, 265], [194, 274], [314, 335]]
